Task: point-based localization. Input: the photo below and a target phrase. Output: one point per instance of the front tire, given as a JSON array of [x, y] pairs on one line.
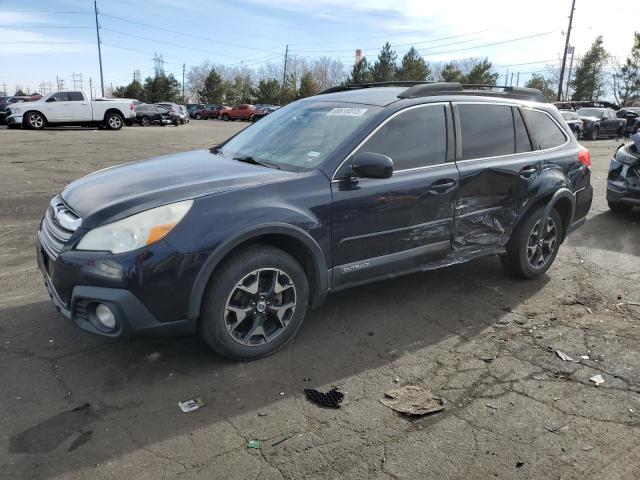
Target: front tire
[[225, 118], [255, 303], [534, 244], [617, 207], [113, 121], [198, 116], [35, 121]]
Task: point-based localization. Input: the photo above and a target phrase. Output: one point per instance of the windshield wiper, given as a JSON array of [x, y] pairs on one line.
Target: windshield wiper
[[253, 161]]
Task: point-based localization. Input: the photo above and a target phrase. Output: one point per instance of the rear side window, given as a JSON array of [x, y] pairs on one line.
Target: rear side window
[[546, 132], [523, 144], [414, 138], [486, 130], [76, 96]]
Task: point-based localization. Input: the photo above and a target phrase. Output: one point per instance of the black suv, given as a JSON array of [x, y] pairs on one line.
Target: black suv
[[359, 183]]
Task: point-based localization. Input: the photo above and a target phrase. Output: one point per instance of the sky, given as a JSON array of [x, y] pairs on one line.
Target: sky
[[46, 40]]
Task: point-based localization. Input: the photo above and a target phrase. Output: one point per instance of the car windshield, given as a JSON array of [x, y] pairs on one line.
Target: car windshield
[[591, 112], [301, 135], [569, 115]]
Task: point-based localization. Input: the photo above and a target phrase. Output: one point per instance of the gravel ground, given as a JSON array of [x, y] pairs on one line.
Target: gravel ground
[[76, 406]]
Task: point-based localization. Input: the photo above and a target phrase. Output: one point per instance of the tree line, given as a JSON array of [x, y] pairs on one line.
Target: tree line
[[210, 83]]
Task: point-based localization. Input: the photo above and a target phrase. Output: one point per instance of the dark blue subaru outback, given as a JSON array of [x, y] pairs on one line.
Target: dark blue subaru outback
[[357, 184]]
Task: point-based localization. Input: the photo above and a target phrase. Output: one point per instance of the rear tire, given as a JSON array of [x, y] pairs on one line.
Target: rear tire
[[533, 246], [617, 207], [198, 116], [225, 118], [113, 121], [242, 317], [145, 121]]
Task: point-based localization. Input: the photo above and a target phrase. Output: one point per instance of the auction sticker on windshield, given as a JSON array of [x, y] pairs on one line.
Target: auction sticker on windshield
[[347, 112]]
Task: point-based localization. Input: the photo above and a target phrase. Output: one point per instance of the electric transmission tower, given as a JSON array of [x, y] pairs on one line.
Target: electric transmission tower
[[158, 62]]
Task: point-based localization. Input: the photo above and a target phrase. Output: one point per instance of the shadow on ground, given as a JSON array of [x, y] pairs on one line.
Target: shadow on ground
[[98, 399]]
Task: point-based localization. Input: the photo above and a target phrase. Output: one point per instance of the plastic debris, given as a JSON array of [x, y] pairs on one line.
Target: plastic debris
[[331, 399], [564, 356], [519, 464], [584, 357], [413, 400], [597, 379], [586, 448], [255, 443], [492, 406], [190, 405]]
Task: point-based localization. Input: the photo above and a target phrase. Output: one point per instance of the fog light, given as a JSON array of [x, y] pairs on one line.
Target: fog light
[[105, 316]]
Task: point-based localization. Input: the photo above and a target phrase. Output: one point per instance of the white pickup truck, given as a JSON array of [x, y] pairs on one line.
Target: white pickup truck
[[71, 108]]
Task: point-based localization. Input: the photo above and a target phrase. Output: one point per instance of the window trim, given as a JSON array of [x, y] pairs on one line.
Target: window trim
[[528, 127], [382, 124]]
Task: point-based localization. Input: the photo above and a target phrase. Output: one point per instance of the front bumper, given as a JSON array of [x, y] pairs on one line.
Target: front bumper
[[14, 119], [145, 291]]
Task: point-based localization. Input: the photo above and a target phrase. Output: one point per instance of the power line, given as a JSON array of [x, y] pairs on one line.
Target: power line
[[492, 44], [168, 43], [40, 26], [209, 39]]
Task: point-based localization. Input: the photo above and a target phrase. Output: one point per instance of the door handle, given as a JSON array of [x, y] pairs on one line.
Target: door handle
[[528, 171], [442, 186]]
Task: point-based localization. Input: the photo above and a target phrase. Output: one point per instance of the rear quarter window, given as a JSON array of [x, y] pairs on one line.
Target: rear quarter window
[[546, 132]]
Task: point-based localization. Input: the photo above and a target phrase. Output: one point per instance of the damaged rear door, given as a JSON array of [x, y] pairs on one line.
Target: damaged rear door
[[496, 173]]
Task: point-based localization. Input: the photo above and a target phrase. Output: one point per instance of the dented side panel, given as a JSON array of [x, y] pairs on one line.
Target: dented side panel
[[496, 193]]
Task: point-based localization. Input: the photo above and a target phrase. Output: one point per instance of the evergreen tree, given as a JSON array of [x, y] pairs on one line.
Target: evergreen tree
[[384, 70], [481, 74], [542, 84], [588, 82], [413, 67], [212, 90], [161, 88], [627, 80], [268, 91], [133, 90], [308, 86], [240, 90], [360, 73], [451, 73]]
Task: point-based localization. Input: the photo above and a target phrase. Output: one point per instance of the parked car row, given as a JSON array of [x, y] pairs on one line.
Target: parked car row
[[245, 111], [164, 113]]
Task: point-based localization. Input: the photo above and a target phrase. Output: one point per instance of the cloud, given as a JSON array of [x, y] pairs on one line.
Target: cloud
[[24, 42]]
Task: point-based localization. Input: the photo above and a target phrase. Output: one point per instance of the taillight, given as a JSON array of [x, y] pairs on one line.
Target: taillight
[[584, 157], [131, 107]]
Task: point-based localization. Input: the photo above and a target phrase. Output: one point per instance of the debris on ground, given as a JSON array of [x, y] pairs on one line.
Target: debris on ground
[[190, 405], [262, 414], [584, 357], [283, 440], [255, 443], [519, 464], [152, 357], [492, 406], [597, 379], [564, 356], [331, 399], [586, 448], [306, 379], [413, 400]]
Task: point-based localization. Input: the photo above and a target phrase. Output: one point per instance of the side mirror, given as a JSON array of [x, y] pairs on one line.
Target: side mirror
[[372, 165], [51, 99]]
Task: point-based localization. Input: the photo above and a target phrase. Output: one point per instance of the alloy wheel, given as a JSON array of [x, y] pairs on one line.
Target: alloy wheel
[[36, 121], [542, 242], [115, 121], [260, 307]]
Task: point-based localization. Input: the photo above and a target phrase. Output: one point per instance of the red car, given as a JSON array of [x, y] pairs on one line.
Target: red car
[[209, 111], [238, 112]]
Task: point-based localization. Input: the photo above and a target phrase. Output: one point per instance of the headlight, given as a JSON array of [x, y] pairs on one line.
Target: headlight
[[135, 231]]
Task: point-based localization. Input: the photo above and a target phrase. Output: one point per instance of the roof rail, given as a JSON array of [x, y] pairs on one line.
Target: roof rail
[[575, 104], [358, 86], [425, 89], [444, 88]]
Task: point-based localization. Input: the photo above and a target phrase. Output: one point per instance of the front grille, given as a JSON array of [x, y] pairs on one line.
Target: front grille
[[58, 225]]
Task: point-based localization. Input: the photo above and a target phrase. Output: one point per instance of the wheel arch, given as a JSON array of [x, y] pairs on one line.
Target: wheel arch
[[288, 238], [33, 110], [563, 200], [113, 110]]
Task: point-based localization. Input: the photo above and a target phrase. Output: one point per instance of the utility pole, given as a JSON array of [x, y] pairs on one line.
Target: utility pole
[[284, 73], [566, 94], [183, 67], [95, 7], [90, 88], [506, 78], [58, 82], [566, 50], [511, 82], [518, 80]]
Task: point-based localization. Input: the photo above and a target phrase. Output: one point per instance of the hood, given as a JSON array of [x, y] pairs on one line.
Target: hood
[[120, 191], [589, 119]]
